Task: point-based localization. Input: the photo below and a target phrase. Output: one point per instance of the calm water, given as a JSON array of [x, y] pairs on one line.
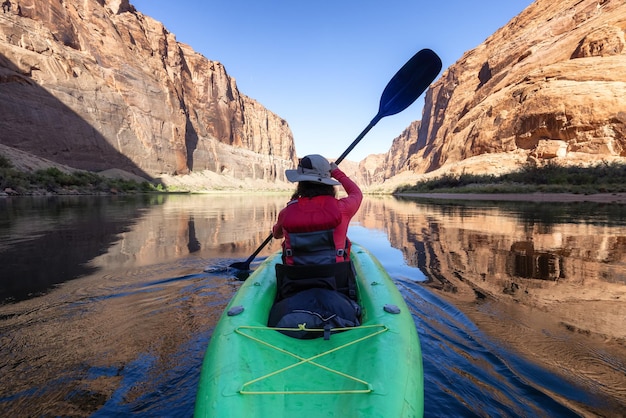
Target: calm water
[[107, 304]]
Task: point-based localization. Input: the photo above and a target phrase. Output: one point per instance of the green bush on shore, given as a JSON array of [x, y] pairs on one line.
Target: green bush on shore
[[550, 178], [4, 162], [56, 181]]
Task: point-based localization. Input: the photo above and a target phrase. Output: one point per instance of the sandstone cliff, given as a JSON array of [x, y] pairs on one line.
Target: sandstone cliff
[[97, 85], [377, 168], [548, 85]]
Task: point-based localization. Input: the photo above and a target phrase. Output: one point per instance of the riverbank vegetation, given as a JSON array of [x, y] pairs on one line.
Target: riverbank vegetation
[[52, 180], [550, 178]]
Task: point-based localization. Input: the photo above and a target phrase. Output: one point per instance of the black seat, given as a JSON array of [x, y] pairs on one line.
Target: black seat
[[335, 276]]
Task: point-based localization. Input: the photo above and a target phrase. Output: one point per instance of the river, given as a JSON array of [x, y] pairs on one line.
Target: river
[[107, 304]]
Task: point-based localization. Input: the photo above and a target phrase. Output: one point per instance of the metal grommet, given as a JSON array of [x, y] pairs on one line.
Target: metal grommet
[[235, 310], [392, 309]]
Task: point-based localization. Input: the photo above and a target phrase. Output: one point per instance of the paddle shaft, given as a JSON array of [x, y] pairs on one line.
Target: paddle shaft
[[358, 139]]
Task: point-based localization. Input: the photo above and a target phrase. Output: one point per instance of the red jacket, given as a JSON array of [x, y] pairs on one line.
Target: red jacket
[[321, 213]]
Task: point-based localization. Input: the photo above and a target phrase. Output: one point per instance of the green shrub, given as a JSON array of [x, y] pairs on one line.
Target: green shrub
[[601, 178], [52, 178], [55, 180], [5, 162]]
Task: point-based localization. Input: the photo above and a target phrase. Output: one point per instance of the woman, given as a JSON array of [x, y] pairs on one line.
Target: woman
[[313, 207], [316, 283]]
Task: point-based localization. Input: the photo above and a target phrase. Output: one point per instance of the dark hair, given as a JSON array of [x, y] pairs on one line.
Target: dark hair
[[312, 189]]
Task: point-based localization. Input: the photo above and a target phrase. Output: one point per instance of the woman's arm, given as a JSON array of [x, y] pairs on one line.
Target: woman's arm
[[352, 202]]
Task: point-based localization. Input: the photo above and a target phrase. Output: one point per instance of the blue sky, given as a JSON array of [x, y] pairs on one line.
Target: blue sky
[[322, 65]]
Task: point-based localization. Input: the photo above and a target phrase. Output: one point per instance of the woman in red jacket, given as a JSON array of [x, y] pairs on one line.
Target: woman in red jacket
[[314, 207], [316, 280]]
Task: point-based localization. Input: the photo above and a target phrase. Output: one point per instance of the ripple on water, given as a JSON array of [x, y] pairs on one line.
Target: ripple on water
[[119, 342], [467, 371]]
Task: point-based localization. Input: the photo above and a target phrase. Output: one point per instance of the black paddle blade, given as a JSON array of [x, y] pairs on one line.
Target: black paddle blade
[[241, 265], [409, 82], [403, 89], [242, 275]]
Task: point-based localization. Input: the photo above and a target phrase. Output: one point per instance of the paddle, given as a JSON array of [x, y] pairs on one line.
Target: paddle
[[402, 90]]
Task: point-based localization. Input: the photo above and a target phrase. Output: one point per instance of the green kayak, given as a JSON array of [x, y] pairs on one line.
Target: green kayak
[[373, 370]]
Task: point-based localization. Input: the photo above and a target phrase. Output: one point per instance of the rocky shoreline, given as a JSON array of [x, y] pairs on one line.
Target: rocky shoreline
[[209, 182], [525, 197]]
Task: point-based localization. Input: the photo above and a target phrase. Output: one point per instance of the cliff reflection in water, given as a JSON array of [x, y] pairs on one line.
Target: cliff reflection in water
[[209, 226], [72, 237], [119, 317], [540, 255], [547, 279]]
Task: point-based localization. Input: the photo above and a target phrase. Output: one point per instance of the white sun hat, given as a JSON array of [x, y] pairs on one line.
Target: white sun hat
[[313, 168]]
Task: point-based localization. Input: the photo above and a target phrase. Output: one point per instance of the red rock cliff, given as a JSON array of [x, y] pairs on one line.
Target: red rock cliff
[[98, 85], [549, 84]]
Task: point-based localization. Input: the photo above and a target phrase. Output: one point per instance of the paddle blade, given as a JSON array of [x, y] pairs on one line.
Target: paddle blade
[[409, 82], [241, 265]]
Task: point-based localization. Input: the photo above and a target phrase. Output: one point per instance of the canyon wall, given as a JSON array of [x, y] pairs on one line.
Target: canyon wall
[[97, 85], [550, 85]]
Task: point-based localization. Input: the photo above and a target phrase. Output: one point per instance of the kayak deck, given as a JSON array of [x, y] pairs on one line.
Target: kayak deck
[[371, 370], [333, 378]]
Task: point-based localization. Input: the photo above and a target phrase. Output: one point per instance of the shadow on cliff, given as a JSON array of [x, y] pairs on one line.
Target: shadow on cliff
[[191, 143], [34, 121]]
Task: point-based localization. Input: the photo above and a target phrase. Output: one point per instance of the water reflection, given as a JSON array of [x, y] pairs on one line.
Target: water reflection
[[519, 307], [46, 241], [547, 280], [120, 312], [193, 244], [514, 253]]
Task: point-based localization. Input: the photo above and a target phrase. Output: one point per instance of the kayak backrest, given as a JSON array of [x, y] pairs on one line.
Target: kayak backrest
[[334, 276]]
